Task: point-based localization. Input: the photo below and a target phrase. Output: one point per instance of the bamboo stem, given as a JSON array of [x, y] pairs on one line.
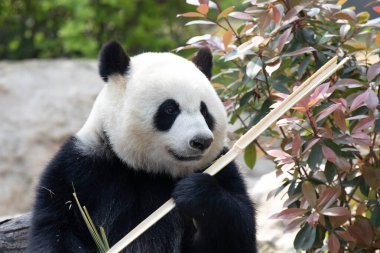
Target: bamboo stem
[[310, 84]]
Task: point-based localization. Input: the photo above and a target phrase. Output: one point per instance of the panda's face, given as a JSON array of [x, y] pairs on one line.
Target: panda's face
[[187, 130], [164, 116]]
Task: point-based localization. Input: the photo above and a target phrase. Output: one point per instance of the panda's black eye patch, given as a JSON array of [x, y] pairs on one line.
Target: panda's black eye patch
[[208, 117], [166, 114]]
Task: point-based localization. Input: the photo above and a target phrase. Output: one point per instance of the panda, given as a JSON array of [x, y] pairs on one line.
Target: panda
[[154, 127]]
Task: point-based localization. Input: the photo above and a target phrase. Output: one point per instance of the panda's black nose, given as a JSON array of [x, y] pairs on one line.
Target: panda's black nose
[[201, 143]]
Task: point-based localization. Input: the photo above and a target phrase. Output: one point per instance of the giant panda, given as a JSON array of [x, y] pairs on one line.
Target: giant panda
[[154, 127]]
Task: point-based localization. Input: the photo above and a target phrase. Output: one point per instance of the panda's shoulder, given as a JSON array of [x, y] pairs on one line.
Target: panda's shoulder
[[71, 163]]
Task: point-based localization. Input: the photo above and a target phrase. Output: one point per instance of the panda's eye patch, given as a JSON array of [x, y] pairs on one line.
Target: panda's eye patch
[[207, 116], [204, 110], [166, 114]]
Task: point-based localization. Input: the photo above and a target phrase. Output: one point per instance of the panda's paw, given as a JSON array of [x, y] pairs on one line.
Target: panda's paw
[[194, 195]]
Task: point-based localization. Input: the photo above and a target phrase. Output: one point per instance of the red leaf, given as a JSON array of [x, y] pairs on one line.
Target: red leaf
[[296, 144], [329, 154], [289, 213], [362, 231], [328, 197], [309, 193], [278, 154], [320, 91], [345, 236], [372, 100], [333, 243], [294, 224], [341, 101], [203, 8], [343, 164], [264, 21], [349, 83], [335, 211], [254, 42], [301, 51], [313, 219], [240, 15], [373, 71], [283, 38], [326, 112], [191, 15], [311, 143], [363, 124], [292, 199], [376, 8], [293, 11], [276, 15], [227, 37], [225, 12], [358, 101], [340, 120]]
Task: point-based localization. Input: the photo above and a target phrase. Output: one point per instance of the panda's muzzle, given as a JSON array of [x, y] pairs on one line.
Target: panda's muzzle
[[184, 158]]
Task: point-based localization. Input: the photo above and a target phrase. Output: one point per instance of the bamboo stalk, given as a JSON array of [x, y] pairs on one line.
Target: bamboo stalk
[[310, 84]]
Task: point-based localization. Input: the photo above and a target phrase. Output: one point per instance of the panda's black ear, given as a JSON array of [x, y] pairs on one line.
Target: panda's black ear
[[203, 60], [112, 60]]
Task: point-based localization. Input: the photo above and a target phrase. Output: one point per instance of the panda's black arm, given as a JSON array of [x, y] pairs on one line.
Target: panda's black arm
[[222, 211], [56, 222]]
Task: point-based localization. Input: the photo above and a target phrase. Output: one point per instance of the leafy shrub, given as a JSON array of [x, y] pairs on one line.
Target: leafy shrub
[[326, 148]]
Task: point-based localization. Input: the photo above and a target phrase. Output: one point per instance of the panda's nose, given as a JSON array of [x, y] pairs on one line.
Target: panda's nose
[[201, 142]]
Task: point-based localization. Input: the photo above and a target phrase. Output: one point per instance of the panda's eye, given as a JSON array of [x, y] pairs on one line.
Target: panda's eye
[[171, 109]]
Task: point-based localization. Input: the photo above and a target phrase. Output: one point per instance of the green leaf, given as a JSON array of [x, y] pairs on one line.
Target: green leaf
[[244, 100], [377, 126], [303, 66], [375, 218], [305, 238], [330, 171], [250, 155], [315, 158]]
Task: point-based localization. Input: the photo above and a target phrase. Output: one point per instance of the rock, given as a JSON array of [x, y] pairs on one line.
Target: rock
[[42, 103]]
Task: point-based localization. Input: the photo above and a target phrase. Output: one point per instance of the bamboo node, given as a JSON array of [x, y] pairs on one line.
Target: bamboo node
[[238, 148]]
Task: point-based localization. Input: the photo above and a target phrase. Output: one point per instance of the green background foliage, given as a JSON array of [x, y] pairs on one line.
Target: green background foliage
[[78, 28]]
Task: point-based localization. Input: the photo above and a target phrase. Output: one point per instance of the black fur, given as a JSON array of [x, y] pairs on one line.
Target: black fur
[[203, 60], [166, 114], [112, 60], [208, 117], [118, 198]]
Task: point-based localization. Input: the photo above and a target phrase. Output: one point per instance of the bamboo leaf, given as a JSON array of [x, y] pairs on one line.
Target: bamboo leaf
[[250, 155]]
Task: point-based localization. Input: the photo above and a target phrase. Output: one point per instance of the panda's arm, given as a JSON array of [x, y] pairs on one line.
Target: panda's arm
[[56, 224], [222, 212]]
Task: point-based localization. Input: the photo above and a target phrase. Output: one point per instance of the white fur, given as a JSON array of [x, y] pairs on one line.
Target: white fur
[[125, 109]]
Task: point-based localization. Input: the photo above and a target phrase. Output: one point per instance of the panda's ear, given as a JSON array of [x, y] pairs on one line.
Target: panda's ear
[[112, 60], [203, 60]]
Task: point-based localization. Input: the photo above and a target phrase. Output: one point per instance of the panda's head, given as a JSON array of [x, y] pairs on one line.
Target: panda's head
[[158, 111]]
